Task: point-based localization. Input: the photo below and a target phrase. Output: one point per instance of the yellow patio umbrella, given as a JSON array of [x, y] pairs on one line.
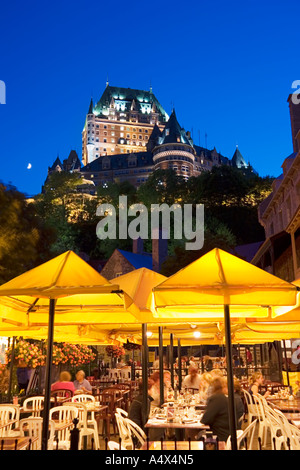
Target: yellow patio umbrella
[[65, 286], [220, 285]]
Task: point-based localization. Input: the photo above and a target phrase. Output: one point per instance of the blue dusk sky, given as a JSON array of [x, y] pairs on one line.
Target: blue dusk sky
[[226, 67]]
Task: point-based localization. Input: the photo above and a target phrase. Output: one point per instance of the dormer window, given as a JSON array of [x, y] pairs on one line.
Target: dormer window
[[132, 160], [105, 163]]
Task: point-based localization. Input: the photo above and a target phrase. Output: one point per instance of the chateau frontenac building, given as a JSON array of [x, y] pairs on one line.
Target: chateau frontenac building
[[127, 135]]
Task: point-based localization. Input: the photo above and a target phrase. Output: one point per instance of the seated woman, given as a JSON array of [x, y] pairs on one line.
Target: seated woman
[[239, 404], [205, 385], [216, 415], [256, 381], [64, 383], [135, 410], [81, 384]]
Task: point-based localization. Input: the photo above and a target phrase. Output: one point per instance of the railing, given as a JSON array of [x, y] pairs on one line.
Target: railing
[[75, 443]]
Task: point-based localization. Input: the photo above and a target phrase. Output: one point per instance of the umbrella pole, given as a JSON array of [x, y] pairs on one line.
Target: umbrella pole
[[12, 360], [172, 359], [144, 372], [48, 375], [179, 366], [161, 365], [230, 384], [286, 366]]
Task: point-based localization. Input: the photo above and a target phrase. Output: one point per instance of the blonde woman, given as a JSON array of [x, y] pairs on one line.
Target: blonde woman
[[205, 385], [256, 381]]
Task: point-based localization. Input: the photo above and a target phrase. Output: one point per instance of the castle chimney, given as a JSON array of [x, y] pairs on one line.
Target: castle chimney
[[159, 248], [138, 246], [295, 119]]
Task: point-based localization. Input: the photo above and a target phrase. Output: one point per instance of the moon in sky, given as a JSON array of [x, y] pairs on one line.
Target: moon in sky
[[29, 166]]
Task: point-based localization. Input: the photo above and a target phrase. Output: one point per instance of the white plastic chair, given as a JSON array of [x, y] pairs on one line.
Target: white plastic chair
[[11, 431], [32, 427], [33, 405], [124, 432], [7, 414], [62, 414], [252, 411], [86, 398], [82, 397], [126, 374], [289, 431], [122, 412], [84, 423], [112, 445], [241, 435], [136, 431]]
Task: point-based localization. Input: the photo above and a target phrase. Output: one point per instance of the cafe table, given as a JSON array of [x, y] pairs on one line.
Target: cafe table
[[12, 443], [285, 404], [179, 445], [176, 423]]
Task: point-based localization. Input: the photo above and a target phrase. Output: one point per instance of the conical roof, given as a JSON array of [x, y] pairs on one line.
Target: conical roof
[[173, 133], [90, 111], [238, 159]]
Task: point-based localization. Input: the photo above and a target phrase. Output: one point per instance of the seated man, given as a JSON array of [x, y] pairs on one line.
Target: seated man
[[81, 384]]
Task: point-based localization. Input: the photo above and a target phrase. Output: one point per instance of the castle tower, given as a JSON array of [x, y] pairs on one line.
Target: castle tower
[[120, 122], [175, 149]]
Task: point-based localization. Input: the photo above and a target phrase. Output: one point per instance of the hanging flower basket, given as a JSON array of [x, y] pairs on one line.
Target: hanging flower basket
[[31, 355], [25, 355], [115, 351]]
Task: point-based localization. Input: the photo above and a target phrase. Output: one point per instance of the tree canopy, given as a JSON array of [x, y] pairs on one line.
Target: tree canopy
[[63, 217]]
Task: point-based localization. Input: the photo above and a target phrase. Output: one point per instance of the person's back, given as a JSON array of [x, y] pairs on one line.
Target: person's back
[[64, 382], [216, 415], [239, 409], [135, 411]]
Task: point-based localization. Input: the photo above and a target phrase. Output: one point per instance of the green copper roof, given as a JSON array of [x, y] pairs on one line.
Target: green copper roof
[[127, 97]]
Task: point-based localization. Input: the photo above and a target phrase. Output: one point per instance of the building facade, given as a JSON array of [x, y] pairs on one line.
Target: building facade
[[120, 122], [279, 213], [128, 135]]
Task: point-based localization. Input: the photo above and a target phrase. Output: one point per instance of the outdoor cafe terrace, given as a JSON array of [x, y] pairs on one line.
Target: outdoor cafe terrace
[[173, 402]]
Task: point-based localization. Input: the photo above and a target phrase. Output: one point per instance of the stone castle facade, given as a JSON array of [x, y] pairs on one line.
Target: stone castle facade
[[128, 135]]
